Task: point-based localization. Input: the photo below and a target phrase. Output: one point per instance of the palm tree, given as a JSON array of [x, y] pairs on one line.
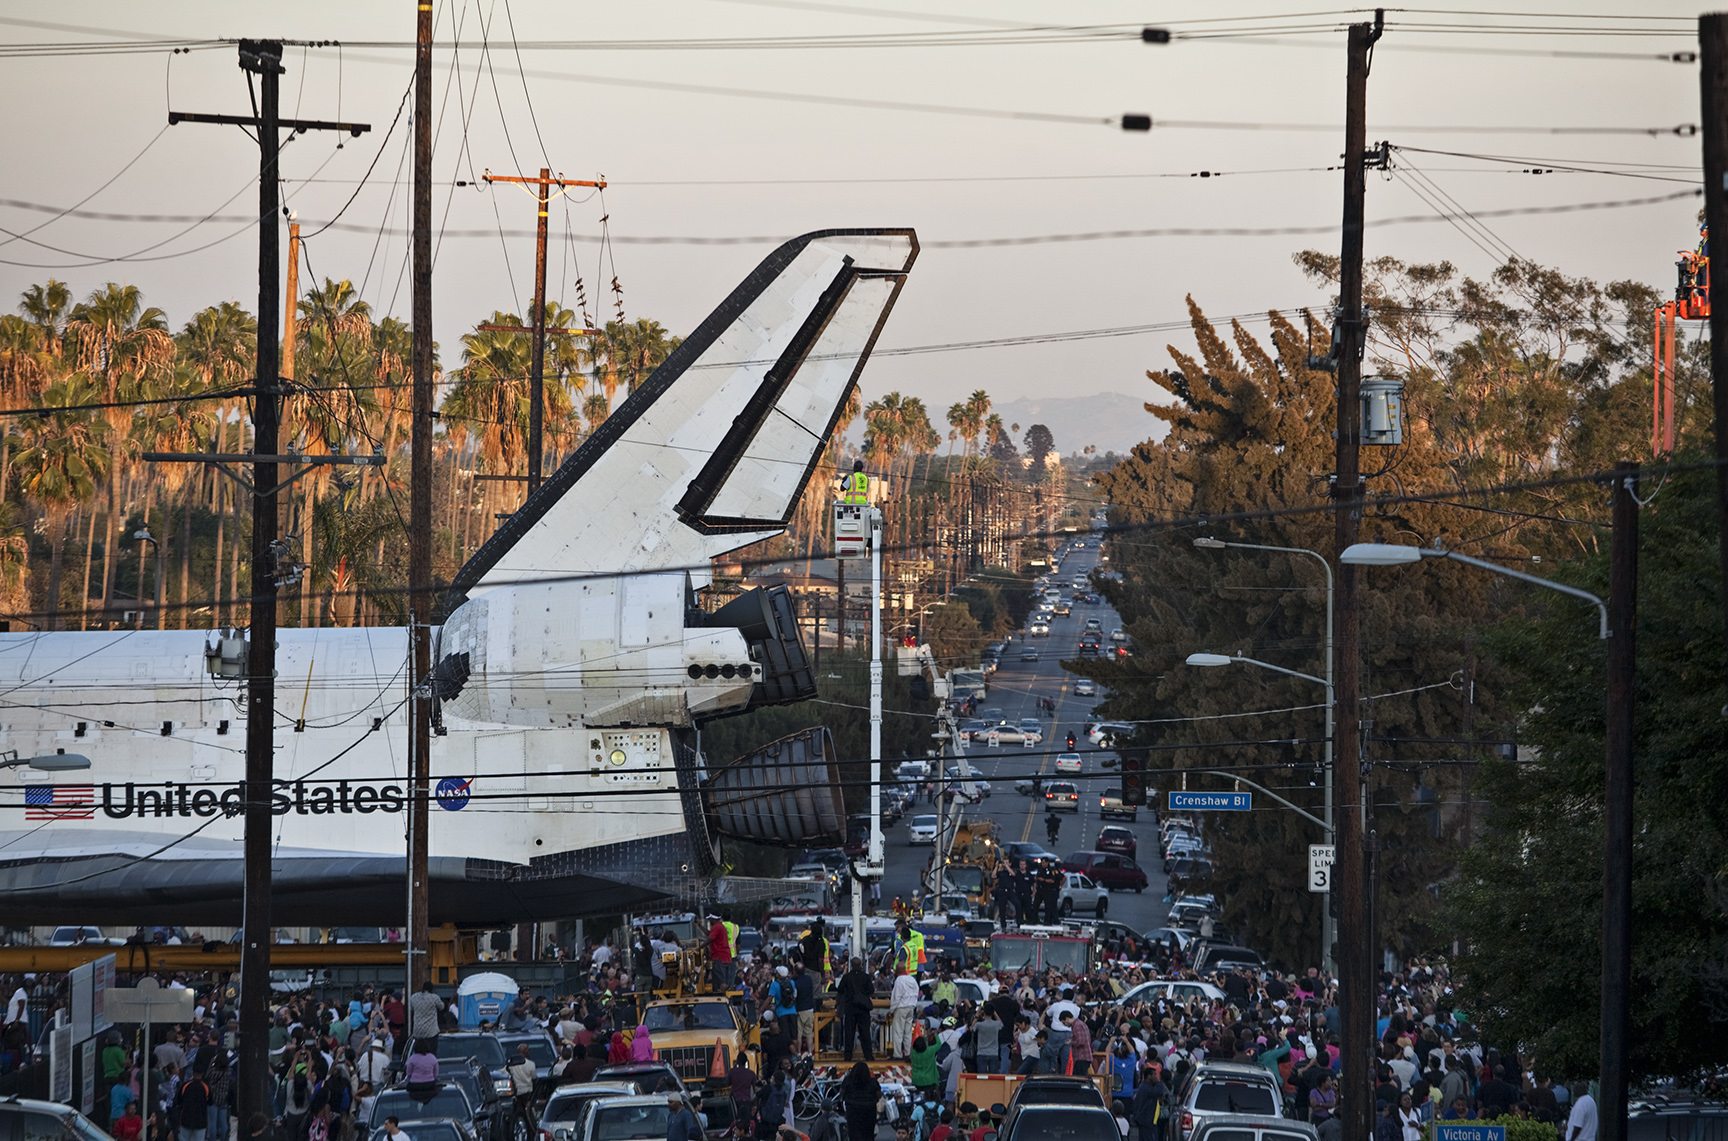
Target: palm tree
[[220, 343], [629, 353], [596, 408], [61, 455], [114, 337]]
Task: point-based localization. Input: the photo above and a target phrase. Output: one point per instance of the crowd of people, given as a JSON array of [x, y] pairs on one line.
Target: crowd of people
[[330, 1056]]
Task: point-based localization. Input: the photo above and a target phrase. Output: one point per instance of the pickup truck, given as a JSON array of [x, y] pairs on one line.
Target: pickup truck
[[1110, 806]]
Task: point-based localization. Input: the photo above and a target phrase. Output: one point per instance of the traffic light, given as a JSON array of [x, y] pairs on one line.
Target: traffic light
[[1133, 777]]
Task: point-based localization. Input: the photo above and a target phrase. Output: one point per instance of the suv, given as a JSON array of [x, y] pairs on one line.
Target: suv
[[493, 1106], [1056, 1089], [1226, 958], [541, 1052], [444, 1101], [1116, 872], [1078, 893], [1060, 795], [1110, 805], [1058, 1123], [1224, 1087], [1242, 1127], [1117, 839]]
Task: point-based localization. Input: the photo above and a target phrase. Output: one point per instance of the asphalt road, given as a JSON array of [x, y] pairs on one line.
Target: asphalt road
[[1015, 688]]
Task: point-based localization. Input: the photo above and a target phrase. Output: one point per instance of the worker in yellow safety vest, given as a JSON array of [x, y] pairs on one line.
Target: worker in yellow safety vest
[[855, 488], [817, 951]]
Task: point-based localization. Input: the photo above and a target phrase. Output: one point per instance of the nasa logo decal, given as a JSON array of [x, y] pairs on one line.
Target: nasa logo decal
[[453, 793]]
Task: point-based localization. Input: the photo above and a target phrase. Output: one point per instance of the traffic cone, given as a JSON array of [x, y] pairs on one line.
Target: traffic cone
[[717, 1068]]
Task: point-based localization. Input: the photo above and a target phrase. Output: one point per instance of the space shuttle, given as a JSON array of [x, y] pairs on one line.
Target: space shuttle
[[573, 673]]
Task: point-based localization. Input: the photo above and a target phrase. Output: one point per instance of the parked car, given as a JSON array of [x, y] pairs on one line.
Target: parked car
[[1116, 838], [646, 1076], [1060, 795], [1213, 1088], [1068, 763], [564, 1108], [1081, 893], [1118, 635], [27, 1119], [1226, 958], [639, 1118], [1174, 990], [540, 1050], [1187, 913], [485, 1049], [923, 829], [72, 936], [1185, 939], [1188, 869], [1031, 730], [1114, 871]]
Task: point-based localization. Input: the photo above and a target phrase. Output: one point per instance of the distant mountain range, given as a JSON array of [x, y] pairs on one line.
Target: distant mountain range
[[1109, 420]]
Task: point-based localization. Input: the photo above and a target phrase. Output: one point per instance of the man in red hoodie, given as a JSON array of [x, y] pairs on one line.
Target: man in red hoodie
[[723, 952]]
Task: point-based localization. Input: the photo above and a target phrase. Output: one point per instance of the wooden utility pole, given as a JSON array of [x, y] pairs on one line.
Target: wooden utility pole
[[1355, 950], [1617, 808], [290, 302], [420, 510], [537, 326], [262, 58], [1713, 85]]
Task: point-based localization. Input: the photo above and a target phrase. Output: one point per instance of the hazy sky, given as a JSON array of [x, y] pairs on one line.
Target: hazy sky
[[703, 164]]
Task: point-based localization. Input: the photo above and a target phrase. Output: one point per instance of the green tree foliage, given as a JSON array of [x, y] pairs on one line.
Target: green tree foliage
[[1528, 377], [954, 636], [1039, 442], [1528, 898]]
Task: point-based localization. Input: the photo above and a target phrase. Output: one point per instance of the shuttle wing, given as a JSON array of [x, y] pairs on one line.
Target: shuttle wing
[[712, 451]]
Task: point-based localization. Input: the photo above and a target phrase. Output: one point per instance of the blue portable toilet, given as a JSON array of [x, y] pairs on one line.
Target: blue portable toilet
[[482, 998]]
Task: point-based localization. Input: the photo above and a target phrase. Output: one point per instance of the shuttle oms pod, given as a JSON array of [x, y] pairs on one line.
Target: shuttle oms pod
[[572, 672]]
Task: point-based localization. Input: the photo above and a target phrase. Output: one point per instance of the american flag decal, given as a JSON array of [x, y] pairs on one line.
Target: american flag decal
[[60, 802]]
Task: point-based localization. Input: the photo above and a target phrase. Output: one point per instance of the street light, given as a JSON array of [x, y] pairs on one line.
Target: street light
[[1394, 554], [52, 763], [143, 536], [1328, 925]]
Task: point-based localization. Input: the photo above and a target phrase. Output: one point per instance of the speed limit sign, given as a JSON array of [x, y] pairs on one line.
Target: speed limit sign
[[1320, 867]]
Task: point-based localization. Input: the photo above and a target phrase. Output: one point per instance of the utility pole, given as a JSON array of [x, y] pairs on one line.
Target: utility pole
[[537, 326], [420, 511], [262, 58], [1713, 84], [1355, 937], [1617, 807]]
